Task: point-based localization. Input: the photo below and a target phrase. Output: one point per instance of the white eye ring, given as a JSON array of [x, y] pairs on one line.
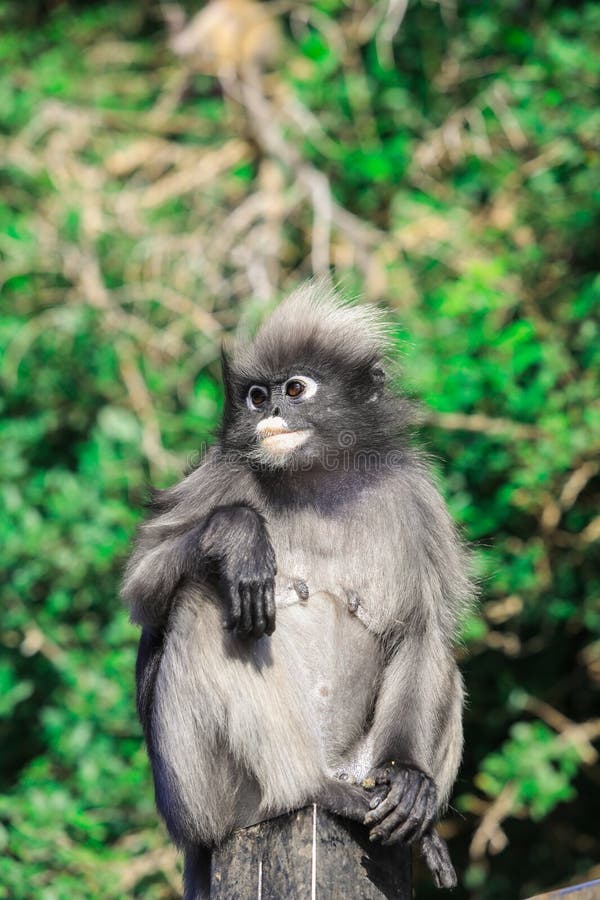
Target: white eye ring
[[250, 402], [309, 388]]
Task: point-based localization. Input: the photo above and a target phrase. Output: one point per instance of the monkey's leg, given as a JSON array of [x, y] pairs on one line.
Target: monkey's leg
[[185, 783], [351, 801], [234, 737]]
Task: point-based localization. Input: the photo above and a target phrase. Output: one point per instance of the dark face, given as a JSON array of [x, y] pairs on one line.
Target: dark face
[[301, 417]]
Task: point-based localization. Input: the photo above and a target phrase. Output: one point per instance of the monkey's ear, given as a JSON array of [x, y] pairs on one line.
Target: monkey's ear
[[225, 364], [227, 374], [377, 376], [377, 373]]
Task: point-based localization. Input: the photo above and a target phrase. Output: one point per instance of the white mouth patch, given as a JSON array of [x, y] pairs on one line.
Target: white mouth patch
[[272, 425], [284, 443], [276, 437]]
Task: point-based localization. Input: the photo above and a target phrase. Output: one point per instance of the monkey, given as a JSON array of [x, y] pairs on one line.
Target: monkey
[[299, 594]]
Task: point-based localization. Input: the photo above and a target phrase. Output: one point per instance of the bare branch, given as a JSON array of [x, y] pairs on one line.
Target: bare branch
[[477, 422]]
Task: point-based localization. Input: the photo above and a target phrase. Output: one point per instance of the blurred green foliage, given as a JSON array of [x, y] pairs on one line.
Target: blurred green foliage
[[144, 213]]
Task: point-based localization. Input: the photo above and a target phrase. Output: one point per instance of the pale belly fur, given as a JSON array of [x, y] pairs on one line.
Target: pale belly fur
[[340, 660]]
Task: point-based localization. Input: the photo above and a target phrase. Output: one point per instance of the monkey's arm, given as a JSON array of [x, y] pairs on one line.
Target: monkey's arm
[[417, 745], [230, 544], [418, 711], [417, 723], [418, 715]]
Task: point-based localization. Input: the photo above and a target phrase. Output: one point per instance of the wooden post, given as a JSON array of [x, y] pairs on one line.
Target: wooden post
[[308, 855], [590, 890]]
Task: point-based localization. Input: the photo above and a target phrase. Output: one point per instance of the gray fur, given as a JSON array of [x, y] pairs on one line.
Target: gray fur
[[360, 672], [314, 315]]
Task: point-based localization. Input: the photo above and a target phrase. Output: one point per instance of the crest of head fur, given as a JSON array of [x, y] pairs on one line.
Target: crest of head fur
[[314, 327]]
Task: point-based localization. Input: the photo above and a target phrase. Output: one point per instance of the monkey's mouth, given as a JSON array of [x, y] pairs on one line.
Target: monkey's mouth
[[285, 441], [276, 437]]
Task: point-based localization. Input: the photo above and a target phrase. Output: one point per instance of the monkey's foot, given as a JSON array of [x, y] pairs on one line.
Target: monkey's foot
[[404, 804], [344, 798], [435, 853]]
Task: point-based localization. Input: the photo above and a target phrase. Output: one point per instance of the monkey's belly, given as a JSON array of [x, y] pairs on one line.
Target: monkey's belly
[[243, 730], [340, 662]]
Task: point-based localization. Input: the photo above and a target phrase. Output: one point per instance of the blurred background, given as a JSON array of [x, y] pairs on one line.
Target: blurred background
[[167, 173]]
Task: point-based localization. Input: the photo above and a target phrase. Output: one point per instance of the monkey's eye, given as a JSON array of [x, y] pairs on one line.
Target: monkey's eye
[[257, 396], [294, 388], [300, 388]]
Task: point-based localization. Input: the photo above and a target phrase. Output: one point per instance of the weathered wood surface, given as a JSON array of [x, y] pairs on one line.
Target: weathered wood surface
[[308, 855], [590, 890]]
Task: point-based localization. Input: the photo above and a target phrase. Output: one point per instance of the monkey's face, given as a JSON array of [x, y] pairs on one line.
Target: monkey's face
[[303, 417], [281, 411]]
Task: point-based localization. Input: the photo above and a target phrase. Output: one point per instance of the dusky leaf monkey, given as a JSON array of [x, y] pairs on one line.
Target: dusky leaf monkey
[[299, 593]]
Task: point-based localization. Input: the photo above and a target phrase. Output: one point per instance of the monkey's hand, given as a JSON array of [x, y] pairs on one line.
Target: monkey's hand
[[403, 810], [236, 538], [404, 804]]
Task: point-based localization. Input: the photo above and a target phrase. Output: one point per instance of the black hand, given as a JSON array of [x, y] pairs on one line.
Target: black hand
[[251, 601], [404, 804], [236, 539]]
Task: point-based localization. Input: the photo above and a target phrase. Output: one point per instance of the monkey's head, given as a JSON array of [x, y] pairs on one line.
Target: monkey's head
[[310, 389]]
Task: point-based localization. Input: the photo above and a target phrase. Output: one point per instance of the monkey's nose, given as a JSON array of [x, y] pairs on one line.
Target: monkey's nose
[[275, 411]]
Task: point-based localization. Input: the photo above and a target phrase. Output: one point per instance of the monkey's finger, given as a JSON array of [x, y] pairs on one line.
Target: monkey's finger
[[398, 783], [429, 815], [245, 623], [258, 610], [414, 811], [399, 827], [399, 814], [269, 597], [386, 806], [377, 797], [436, 855], [410, 816], [235, 606]]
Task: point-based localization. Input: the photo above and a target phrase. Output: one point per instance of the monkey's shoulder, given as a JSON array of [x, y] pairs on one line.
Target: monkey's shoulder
[[409, 496], [215, 480]]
